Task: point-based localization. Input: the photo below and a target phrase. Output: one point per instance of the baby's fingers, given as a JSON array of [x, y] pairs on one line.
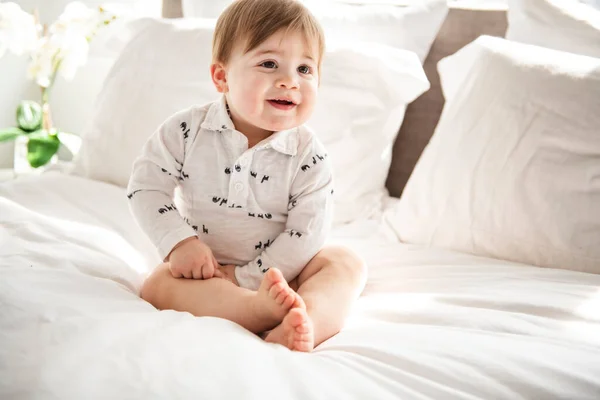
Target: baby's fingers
[[197, 272], [217, 272], [208, 270], [175, 274]]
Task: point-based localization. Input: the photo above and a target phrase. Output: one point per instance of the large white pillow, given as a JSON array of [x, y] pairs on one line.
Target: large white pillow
[[513, 168], [570, 25], [411, 25], [165, 68]]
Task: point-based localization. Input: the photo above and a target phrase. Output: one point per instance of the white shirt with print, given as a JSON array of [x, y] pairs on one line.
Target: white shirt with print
[[268, 206]]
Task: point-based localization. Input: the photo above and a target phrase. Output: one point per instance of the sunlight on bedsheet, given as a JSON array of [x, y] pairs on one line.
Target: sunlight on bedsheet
[[102, 239], [590, 309], [387, 308], [584, 331], [394, 303]]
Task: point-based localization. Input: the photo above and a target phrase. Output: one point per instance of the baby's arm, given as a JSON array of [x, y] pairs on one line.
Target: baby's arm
[[155, 175], [310, 212]]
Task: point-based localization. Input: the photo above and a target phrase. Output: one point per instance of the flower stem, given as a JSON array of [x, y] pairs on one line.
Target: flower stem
[[46, 115]]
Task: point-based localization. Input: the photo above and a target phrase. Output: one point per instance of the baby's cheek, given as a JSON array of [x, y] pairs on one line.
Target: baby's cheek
[[252, 94], [309, 105]]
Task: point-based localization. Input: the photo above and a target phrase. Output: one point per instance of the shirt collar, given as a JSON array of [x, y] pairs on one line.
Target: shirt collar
[[217, 119]]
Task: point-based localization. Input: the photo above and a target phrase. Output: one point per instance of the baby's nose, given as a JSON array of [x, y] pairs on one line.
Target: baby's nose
[[287, 82]]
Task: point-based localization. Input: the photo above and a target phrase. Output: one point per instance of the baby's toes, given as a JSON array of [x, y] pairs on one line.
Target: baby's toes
[[282, 297], [289, 300], [276, 290]]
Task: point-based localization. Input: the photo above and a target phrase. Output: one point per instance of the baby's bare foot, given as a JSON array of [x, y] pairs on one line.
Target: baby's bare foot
[[275, 298], [296, 332]]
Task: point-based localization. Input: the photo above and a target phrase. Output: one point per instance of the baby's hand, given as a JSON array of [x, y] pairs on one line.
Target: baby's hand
[[191, 258]]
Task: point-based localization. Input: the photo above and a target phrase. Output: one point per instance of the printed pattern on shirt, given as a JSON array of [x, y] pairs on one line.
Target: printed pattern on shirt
[[293, 233], [254, 174], [260, 266], [195, 227], [167, 208], [263, 216], [315, 159], [130, 195], [219, 200], [182, 175], [263, 246], [185, 130], [238, 168], [293, 202], [223, 202]]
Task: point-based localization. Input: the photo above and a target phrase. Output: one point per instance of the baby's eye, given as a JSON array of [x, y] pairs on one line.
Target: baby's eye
[[269, 64], [304, 69]]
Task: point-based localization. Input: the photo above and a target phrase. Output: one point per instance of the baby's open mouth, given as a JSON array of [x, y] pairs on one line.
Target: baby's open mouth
[[282, 104]]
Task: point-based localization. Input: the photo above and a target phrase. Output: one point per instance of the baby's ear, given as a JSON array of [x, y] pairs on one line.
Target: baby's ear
[[219, 77]]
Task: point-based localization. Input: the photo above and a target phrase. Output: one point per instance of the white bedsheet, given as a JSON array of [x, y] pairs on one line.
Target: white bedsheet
[[430, 324]]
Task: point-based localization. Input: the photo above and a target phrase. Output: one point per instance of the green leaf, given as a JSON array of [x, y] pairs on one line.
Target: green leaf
[[29, 115], [40, 149], [10, 134], [39, 133]]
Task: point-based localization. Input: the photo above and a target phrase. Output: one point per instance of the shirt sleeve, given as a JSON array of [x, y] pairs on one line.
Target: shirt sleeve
[[155, 175], [310, 214]]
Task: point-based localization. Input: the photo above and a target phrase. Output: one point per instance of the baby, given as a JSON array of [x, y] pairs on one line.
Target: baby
[[237, 195]]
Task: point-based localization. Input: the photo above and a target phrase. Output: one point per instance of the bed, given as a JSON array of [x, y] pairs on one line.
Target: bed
[[432, 322]]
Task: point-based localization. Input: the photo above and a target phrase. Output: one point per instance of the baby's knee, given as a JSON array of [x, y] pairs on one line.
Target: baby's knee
[[346, 259], [339, 259], [152, 288], [356, 265]]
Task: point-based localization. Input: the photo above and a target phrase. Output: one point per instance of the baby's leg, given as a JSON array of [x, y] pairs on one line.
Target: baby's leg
[[256, 311]]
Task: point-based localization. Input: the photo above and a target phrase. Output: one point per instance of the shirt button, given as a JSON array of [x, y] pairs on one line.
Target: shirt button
[[239, 186]]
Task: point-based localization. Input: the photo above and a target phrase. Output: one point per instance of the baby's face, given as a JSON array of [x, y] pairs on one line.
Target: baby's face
[[274, 86]]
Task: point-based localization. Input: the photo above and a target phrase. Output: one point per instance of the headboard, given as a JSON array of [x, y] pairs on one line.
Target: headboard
[[461, 27]]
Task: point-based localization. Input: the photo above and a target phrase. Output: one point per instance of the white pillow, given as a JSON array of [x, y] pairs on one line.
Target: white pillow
[[557, 24], [513, 168], [203, 8], [593, 3], [412, 26], [165, 68]]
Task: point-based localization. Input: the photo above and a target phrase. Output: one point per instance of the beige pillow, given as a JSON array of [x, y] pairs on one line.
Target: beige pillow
[[513, 168]]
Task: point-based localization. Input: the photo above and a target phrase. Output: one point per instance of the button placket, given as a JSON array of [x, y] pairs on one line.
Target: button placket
[[238, 188]]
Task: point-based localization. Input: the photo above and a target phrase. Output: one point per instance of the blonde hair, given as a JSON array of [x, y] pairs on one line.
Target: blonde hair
[[254, 21]]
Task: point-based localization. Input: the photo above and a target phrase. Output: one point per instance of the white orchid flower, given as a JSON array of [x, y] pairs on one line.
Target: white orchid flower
[[18, 31], [72, 32], [73, 54], [61, 49], [76, 20], [43, 62]]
